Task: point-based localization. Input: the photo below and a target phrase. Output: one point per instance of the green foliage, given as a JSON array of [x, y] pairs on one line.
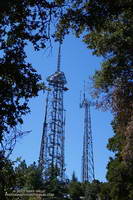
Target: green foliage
[[35, 178], [121, 180], [31, 178], [28, 177], [105, 189], [74, 178], [92, 190], [24, 178], [56, 188], [75, 189], [7, 176], [52, 185]]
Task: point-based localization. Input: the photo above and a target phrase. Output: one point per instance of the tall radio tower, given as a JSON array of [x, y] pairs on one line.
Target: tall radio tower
[[87, 156], [51, 158]]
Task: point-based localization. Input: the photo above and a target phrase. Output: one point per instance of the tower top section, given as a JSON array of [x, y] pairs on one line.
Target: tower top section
[[58, 78], [85, 101]]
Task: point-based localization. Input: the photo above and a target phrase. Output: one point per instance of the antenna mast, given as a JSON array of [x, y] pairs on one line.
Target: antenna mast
[[87, 156], [51, 159]]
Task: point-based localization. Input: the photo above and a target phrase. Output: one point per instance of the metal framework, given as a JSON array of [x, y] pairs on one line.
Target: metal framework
[[87, 156], [51, 158]]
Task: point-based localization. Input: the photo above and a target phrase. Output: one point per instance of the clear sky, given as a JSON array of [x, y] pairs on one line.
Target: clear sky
[[78, 64]]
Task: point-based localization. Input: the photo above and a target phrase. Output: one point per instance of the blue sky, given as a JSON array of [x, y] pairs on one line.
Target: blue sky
[[78, 64]]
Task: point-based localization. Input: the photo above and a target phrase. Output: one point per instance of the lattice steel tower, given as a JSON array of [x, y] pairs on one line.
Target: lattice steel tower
[[51, 158], [87, 156]]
